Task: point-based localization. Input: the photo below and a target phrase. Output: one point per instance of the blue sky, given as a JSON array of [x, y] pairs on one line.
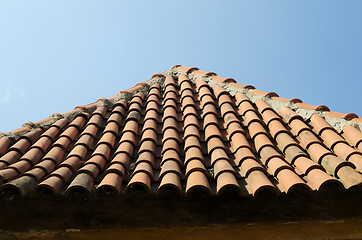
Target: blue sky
[[55, 55]]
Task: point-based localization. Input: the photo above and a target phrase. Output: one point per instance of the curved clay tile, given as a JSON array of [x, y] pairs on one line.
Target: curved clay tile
[[186, 132]]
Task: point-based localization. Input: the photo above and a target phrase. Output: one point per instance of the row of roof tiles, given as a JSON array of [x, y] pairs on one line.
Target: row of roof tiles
[[182, 134]]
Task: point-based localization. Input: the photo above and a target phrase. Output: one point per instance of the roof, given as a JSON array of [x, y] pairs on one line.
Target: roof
[[184, 131]]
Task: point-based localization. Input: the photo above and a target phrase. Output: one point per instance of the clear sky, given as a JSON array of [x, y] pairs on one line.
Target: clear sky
[[55, 55]]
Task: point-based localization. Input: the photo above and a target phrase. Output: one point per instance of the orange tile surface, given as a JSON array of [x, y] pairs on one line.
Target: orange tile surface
[[184, 131]]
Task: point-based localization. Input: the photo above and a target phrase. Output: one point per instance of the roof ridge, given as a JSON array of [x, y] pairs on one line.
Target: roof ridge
[[337, 120], [89, 108], [232, 87]]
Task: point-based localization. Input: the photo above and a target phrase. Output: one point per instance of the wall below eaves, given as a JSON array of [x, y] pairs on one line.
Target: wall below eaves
[[141, 210], [348, 229]]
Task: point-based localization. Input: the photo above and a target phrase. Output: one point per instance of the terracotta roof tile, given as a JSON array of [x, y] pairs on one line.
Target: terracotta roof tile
[[56, 154], [170, 181], [73, 163], [197, 180], [21, 146], [186, 132], [141, 180], [46, 165], [258, 183], [353, 136]]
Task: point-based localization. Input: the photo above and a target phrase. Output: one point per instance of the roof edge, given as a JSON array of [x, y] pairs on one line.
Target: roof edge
[[337, 120]]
